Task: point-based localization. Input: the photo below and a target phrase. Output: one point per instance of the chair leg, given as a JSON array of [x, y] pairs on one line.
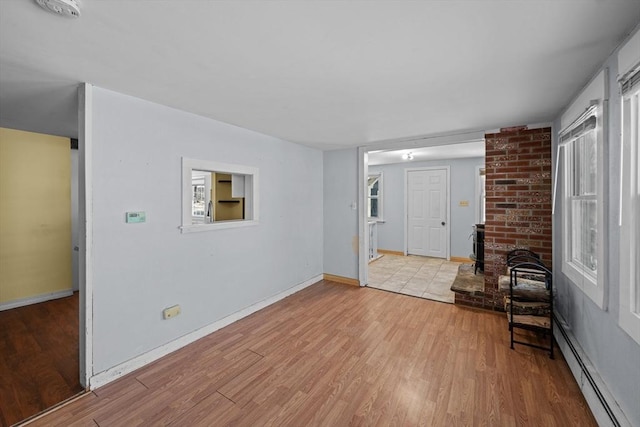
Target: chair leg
[[511, 329]]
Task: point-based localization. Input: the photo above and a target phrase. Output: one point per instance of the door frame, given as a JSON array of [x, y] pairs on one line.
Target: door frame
[[363, 172], [85, 232], [447, 204]]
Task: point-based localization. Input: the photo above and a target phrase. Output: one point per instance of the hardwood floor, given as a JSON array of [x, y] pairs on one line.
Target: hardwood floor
[[337, 355], [38, 358]]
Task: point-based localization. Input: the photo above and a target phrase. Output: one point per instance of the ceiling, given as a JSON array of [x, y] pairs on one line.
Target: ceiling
[[421, 154], [327, 74]]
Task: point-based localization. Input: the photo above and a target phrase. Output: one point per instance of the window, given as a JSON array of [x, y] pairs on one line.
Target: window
[[200, 197], [218, 195], [374, 196], [582, 174], [630, 208], [582, 155]]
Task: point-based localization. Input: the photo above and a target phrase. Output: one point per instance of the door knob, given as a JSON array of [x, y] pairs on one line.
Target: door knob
[[442, 223]]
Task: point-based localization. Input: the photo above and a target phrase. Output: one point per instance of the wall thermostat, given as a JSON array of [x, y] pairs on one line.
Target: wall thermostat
[[133, 217]]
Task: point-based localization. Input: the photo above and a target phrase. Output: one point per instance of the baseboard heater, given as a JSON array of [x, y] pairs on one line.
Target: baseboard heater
[[609, 409]]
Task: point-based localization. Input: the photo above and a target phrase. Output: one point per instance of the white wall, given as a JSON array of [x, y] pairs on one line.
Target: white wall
[[140, 269], [340, 219], [462, 184], [614, 354]]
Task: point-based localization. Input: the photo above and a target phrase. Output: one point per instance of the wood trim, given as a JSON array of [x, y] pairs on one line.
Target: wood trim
[[35, 299], [386, 251], [460, 259], [341, 279]]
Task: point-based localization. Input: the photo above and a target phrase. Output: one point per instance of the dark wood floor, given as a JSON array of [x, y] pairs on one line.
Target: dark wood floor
[[338, 355], [38, 358]]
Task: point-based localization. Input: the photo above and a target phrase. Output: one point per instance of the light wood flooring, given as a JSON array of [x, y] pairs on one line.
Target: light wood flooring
[[38, 358], [418, 276], [339, 355]]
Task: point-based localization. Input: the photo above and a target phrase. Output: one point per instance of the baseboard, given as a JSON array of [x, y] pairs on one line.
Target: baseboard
[[460, 259], [386, 251], [111, 374], [603, 405], [341, 279], [34, 300]]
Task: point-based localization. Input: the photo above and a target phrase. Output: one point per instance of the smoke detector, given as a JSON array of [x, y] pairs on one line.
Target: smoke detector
[[68, 8]]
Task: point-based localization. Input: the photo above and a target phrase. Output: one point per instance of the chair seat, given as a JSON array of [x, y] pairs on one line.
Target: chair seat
[[533, 308], [533, 290], [535, 321]]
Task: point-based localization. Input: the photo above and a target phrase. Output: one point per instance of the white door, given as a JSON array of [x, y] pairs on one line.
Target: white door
[[427, 228]]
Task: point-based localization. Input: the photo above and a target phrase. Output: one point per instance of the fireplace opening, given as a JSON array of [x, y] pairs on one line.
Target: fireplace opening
[[478, 248]]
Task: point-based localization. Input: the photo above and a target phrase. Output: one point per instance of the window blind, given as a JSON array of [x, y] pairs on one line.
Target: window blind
[[586, 122], [583, 124], [630, 81]]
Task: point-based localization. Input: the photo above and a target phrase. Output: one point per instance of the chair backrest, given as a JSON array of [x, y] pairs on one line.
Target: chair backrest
[[518, 256], [535, 270]]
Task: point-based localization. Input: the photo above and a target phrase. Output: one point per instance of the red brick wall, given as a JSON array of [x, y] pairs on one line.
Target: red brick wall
[[518, 207]]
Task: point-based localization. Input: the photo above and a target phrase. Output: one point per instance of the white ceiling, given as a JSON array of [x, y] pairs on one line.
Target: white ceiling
[[422, 154], [327, 74]]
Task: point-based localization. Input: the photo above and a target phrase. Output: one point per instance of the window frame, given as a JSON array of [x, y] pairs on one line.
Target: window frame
[[378, 197], [251, 194], [591, 284], [629, 312]]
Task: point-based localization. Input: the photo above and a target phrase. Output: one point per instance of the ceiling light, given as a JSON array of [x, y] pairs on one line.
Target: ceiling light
[[68, 8], [407, 156]]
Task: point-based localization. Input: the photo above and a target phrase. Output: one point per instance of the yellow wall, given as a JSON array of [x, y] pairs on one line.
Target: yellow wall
[[35, 214], [226, 211]]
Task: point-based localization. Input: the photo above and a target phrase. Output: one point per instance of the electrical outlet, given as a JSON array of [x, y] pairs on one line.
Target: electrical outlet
[[170, 312]]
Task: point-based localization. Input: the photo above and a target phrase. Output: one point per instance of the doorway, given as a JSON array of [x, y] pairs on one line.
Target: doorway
[[39, 298], [427, 199], [439, 152]]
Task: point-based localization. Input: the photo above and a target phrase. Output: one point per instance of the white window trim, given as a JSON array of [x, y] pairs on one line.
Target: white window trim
[[251, 200], [593, 288], [380, 217], [629, 313]]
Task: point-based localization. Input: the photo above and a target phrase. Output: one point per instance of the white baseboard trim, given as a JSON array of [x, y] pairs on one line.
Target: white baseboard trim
[[111, 374], [35, 299], [602, 403]]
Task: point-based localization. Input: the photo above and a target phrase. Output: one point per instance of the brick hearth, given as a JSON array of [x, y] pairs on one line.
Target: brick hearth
[[518, 206]]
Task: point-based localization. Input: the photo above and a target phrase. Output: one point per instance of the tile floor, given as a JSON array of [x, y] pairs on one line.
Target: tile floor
[[418, 276]]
